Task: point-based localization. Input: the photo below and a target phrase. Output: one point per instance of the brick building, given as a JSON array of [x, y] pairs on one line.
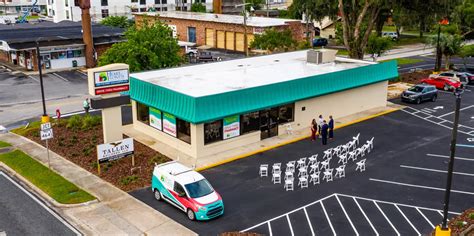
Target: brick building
[[61, 44], [220, 31]]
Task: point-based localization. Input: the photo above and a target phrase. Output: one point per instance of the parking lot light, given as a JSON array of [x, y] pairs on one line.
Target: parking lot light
[[444, 226], [45, 117]]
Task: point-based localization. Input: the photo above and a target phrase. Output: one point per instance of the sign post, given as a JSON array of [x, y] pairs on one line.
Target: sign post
[[46, 134]]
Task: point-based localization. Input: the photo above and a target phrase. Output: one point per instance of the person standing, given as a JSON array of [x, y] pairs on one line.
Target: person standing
[[86, 106], [324, 133], [331, 128], [320, 124], [314, 129]]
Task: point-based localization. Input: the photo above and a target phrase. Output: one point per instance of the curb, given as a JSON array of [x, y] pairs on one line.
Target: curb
[[292, 141]]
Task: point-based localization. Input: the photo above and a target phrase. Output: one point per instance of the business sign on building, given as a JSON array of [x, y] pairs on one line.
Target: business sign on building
[[231, 126], [155, 118], [114, 77], [116, 150], [258, 30], [169, 124]]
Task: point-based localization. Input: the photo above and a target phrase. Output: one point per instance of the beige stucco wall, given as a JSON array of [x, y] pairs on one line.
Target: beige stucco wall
[[329, 32], [337, 104]]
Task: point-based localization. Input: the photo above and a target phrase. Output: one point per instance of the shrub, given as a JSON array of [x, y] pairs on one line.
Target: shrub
[[75, 122], [89, 121], [471, 216], [157, 159], [129, 179]]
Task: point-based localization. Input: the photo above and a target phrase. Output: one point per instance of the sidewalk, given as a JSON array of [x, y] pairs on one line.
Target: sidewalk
[[116, 213]]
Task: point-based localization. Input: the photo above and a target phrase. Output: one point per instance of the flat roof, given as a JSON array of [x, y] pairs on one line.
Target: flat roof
[[221, 18], [221, 77]]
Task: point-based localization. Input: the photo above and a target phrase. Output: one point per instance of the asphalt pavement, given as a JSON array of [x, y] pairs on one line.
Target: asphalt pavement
[[401, 191], [21, 213]]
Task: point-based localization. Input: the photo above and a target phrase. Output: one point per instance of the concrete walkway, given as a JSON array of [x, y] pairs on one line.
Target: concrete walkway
[[116, 213]]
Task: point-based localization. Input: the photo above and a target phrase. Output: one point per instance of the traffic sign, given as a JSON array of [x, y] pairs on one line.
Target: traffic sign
[[46, 126], [46, 134]]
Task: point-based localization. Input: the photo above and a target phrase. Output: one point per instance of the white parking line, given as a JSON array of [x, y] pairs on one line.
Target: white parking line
[[386, 218], [270, 228], [419, 186], [289, 223], [60, 77], [429, 116], [33, 78], [64, 222], [406, 218], [426, 218], [440, 212], [462, 109], [444, 156], [347, 216], [327, 217], [309, 222], [435, 170], [367, 218]]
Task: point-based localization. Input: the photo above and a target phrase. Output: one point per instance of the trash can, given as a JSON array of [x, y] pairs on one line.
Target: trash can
[[74, 63]]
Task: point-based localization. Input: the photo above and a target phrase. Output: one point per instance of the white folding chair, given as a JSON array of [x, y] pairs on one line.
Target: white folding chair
[[325, 164], [276, 167], [341, 171], [356, 138], [337, 150], [360, 151], [276, 177], [327, 153], [312, 159], [345, 148], [289, 186], [371, 143], [314, 177], [328, 175], [303, 171], [314, 167], [303, 182], [289, 175], [360, 165], [289, 129], [290, 166], [353, 145], [352, 155], [366, 148], [301, 162], [263, 170], [342, 158]]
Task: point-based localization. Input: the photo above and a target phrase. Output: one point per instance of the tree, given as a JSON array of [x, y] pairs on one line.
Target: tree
[[198, 7], [314, 10], [464, 16], [273, 39], [376, 45], [255, 4], [449, 44], [149, 47], [116, 21]]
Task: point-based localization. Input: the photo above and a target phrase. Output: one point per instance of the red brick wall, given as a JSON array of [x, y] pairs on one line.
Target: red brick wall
[[100, 49]]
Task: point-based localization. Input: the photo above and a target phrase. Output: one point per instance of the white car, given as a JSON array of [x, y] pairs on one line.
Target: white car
[[392, 35], [458, 76]]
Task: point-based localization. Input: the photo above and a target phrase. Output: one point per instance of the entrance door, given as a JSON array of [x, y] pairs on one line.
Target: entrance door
[[269, 123], [192, 34]]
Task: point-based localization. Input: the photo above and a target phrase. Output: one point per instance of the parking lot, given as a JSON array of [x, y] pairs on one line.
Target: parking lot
[[400, 193]]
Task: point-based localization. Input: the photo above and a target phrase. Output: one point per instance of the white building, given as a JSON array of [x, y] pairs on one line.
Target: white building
[[60, 10], [15, 7]]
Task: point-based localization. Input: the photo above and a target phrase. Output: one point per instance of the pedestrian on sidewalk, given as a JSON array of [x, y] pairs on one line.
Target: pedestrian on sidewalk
[[324, 133], [320, 124], [86, 106], [331, 128], [314, 129]]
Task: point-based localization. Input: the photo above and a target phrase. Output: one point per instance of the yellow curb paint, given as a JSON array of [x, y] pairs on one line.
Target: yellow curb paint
[[290, 141]]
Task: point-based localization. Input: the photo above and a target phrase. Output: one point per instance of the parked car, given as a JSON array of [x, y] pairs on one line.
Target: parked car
[[458, 76], [464, 69], [469, 76], [191, 51], [320, 42], [445, 83], [187, 190], [392, 35], [420, 93], [205, 56]]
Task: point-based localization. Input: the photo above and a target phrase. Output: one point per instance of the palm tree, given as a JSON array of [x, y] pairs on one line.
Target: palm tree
[[450, 45]]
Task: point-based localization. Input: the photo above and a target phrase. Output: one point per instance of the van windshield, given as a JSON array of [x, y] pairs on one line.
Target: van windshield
[[199, 189]]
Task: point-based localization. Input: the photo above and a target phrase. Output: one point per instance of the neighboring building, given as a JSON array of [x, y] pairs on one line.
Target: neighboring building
[[218, 30], [227, 7], [16, 7], [61, 44], [60, 10], [326, 28], [213, 108]]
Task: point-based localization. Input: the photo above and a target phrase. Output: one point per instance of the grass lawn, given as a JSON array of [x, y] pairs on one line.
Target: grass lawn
[[35, 125], [406, 61], [51, 183], [3, 144], [342, 52]]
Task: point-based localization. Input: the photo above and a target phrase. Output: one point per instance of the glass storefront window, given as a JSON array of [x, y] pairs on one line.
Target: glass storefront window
[[184, 130], [54, 55], [142, 113], [250, 122], [62, 55], [212, 131], [286, 113], [78, 53]]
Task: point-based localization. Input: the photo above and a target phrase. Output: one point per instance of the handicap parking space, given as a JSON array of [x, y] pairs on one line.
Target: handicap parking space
[[400, 193]]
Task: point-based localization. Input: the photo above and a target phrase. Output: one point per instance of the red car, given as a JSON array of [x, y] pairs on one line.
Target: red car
[[445, 83]]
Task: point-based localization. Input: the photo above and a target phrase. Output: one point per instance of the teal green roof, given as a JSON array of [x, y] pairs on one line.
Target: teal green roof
[[217, 106]]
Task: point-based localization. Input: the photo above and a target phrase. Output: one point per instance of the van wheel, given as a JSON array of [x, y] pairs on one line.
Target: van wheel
[[433, 99], [190, 214], [157, 195]]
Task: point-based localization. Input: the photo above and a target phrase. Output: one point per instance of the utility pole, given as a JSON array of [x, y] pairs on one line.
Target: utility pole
[[244, 12], [85, 6], [45, 117], [444, 225], [444, 21]]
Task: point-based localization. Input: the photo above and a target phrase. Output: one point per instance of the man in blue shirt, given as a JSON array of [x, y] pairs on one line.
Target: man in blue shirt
[[324, 133], [331, 128]]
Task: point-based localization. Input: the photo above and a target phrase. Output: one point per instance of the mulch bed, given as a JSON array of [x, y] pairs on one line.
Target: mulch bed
[[413, 77], [457, 224], [79, 146]]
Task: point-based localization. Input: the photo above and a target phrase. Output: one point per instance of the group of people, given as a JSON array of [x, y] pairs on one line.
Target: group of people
[[323, 129]]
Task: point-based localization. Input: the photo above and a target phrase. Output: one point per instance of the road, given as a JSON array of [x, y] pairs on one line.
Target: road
[[23, 214]]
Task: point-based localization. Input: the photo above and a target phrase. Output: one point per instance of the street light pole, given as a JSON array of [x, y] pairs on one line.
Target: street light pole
[[438, 51], [444, 225], [244, 12], [40, 70]]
